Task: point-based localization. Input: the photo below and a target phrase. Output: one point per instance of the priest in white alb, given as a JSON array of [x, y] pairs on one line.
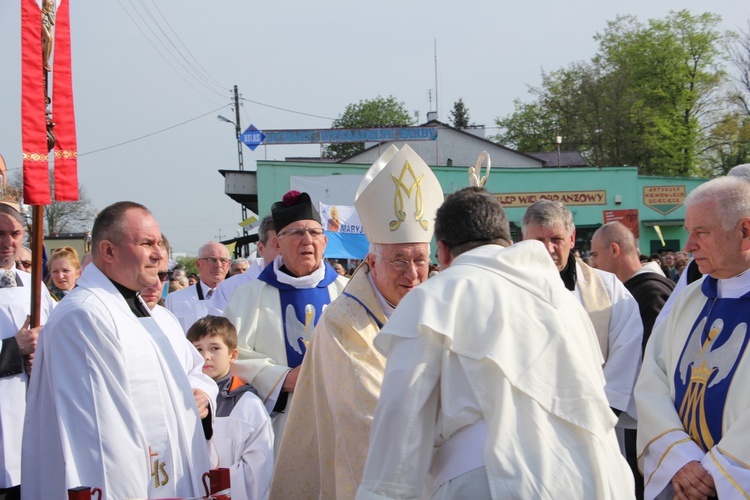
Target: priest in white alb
[[493, 386], [110, 404]]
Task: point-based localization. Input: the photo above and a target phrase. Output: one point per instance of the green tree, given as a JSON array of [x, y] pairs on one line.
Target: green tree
[[645, 98], [378, 112], [460, 114], [188, 264]]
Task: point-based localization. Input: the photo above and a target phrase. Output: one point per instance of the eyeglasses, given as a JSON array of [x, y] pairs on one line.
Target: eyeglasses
[[26, 264], [164, 276], [213, 261], [299, 233], [402, 265]]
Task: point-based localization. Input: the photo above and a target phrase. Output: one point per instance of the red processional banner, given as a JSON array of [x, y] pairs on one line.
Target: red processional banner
[[36, 186], [66, 148], [36, 189]]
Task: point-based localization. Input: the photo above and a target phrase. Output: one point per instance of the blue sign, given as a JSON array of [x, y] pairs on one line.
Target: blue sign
[[339, 135], [252, 137]]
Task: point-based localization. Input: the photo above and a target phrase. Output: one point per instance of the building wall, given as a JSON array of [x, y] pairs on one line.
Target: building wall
[[588, 192], [463, 150]]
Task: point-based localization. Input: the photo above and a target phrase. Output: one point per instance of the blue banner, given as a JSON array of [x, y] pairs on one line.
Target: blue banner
[[346, 246], [339, 135]]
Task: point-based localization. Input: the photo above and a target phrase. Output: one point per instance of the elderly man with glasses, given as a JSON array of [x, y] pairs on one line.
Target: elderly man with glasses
[[192, 303], [326, 439], [275, 314]]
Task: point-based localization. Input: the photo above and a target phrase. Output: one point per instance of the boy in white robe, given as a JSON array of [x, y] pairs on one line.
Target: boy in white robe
[[243, 434]]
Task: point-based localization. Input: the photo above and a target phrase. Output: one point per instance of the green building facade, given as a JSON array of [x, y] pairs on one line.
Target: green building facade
[[594, 195]]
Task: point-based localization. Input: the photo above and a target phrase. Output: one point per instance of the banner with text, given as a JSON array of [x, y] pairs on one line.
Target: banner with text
[[569, 198], [346, 237]]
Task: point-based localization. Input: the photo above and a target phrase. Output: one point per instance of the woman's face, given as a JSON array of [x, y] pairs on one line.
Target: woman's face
[[64, 275]]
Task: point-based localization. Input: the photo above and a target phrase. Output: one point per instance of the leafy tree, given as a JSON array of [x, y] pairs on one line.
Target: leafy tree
[[460, 114], [739, 56], [378, 112], [188, 264], [646, 98]]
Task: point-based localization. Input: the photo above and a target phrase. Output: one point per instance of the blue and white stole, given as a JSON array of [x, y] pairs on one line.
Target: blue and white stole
[[708, 363], [300, 310]]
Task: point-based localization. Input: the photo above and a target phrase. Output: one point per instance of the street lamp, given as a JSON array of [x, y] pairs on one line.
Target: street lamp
[[239, 152], [237, 134]]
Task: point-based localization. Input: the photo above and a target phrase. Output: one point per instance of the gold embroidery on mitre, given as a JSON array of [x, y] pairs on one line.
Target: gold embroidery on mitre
[[398, 199]]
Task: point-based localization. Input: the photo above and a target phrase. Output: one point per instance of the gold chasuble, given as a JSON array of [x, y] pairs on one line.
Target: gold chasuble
[[325, 442]]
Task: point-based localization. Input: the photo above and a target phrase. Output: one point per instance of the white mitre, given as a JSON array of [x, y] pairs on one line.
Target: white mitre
[[398, 198]]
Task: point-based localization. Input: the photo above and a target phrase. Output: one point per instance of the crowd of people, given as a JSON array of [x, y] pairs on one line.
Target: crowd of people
[[514, 370]]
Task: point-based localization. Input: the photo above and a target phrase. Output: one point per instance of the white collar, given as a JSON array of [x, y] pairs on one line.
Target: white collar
[[384, 304], [309, 281], [732, 288]]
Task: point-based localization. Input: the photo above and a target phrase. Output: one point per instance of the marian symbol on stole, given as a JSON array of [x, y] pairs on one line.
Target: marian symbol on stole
[[398, 200], [157, 470], [708, 366], [296, 331]]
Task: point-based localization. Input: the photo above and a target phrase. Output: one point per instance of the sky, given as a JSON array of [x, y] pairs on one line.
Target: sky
[[145, 66]]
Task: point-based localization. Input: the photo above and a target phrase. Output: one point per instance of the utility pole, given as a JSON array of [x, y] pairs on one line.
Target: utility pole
[[238, 130]]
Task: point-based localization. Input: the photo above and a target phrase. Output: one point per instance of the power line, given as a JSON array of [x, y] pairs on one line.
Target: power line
[[287, 110], [160, 52], [205, 72], [153, 133]]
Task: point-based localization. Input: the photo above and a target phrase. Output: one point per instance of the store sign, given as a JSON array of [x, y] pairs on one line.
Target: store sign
[[664, 199], [569, 198], [629, 217]]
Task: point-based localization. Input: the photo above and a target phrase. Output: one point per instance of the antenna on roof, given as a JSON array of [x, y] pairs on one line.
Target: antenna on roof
[[437, 111]]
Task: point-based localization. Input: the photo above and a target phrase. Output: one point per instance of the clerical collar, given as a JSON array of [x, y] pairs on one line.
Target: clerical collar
[[133, 300], [568, 274], [734, 287], [386, 306], [284, 276]]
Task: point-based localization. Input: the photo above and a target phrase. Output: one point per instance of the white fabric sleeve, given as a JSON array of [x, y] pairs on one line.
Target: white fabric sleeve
[[273, 396], [679, 287], [403, 431], [664, 457], [731, 477], [253, 463], [625, 340]]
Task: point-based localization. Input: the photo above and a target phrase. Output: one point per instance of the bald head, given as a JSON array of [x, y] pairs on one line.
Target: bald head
[[613, 249], [617, 232]]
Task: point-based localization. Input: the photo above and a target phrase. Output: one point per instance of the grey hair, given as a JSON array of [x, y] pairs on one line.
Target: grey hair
[[376, 249], [239, 260], [202, 250], [730, 195], [617, 232], [547, 213], [741, 171]]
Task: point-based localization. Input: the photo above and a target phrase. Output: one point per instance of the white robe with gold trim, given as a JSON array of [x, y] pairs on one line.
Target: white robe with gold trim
[[663, 445]]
